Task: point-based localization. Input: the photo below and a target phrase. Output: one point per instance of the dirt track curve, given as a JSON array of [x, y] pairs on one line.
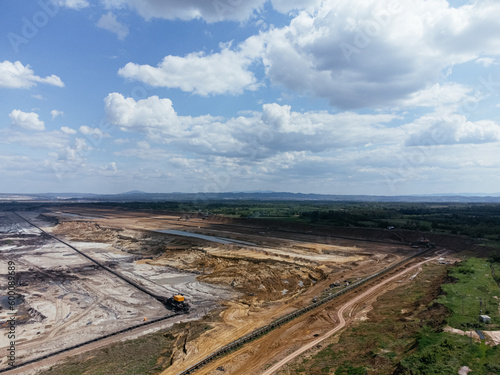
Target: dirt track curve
[[340, 317]]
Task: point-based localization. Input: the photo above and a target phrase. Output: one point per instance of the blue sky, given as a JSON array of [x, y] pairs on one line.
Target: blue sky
[[340, 97]]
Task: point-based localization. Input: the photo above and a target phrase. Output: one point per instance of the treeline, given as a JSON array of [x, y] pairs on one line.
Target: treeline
[[477, 220]]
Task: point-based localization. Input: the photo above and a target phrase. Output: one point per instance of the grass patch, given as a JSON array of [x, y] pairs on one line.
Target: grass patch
[[141, 356], [147, 355], [445, 353], [472, 282], [495, 272], [347, 368], [473, 291]]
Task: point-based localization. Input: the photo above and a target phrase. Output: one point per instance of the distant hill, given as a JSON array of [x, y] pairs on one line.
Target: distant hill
[[140, 196], [132, 192]]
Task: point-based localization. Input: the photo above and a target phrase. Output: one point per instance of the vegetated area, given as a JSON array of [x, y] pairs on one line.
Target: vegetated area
[[271, 258], [470, 291], [378, 342], [476, 220], [427, 327], [147, 355]]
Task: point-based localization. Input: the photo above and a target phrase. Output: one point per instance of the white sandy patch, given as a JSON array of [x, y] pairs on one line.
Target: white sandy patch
[[475, 336], [493, 335]]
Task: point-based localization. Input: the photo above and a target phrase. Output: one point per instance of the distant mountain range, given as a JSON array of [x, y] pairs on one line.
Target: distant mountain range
[[140, 196]]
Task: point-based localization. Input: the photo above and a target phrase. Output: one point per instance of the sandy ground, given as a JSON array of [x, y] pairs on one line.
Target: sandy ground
[[303, 256], [494, 336], [261, 275], [369, 294], [472, 334], [303, 333], [68, 300], [491, 336]]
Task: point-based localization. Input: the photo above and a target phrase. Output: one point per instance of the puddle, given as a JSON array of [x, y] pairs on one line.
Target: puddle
[[221, 240]]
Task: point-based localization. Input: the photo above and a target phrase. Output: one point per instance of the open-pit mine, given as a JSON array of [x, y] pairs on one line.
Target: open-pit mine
[[87, 272]]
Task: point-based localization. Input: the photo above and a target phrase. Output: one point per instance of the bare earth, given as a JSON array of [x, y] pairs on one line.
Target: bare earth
[[261, 274], [340, 317]]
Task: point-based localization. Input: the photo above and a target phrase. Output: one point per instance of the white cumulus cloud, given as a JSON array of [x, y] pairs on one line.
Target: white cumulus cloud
[[210, 11], [127, 113], [26, 120], [73, 156], [453, 129], [361, 53], [261, 134], [218, 73], [355, 53], [16, 75], [67, 130]]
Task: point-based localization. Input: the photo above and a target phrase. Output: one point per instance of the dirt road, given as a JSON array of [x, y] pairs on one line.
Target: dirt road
[[340, 317], [282, 272]]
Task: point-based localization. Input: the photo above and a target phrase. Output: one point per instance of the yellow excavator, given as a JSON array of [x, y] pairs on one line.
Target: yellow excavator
[[178, 303]]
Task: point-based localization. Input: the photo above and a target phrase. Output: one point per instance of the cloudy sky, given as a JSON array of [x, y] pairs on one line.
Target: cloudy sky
[[336, 96]]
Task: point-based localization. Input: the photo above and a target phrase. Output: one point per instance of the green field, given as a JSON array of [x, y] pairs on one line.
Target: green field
[[471, 289], [445, 353], [474, 290]]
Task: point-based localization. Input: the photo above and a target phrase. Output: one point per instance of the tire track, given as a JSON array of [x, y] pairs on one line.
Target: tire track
[[58, 355], [235, 345], [160, 299], [342, 322]]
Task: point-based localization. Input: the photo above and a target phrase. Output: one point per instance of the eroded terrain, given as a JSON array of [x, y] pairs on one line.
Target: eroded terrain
[[252, 273], [64, 299]]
